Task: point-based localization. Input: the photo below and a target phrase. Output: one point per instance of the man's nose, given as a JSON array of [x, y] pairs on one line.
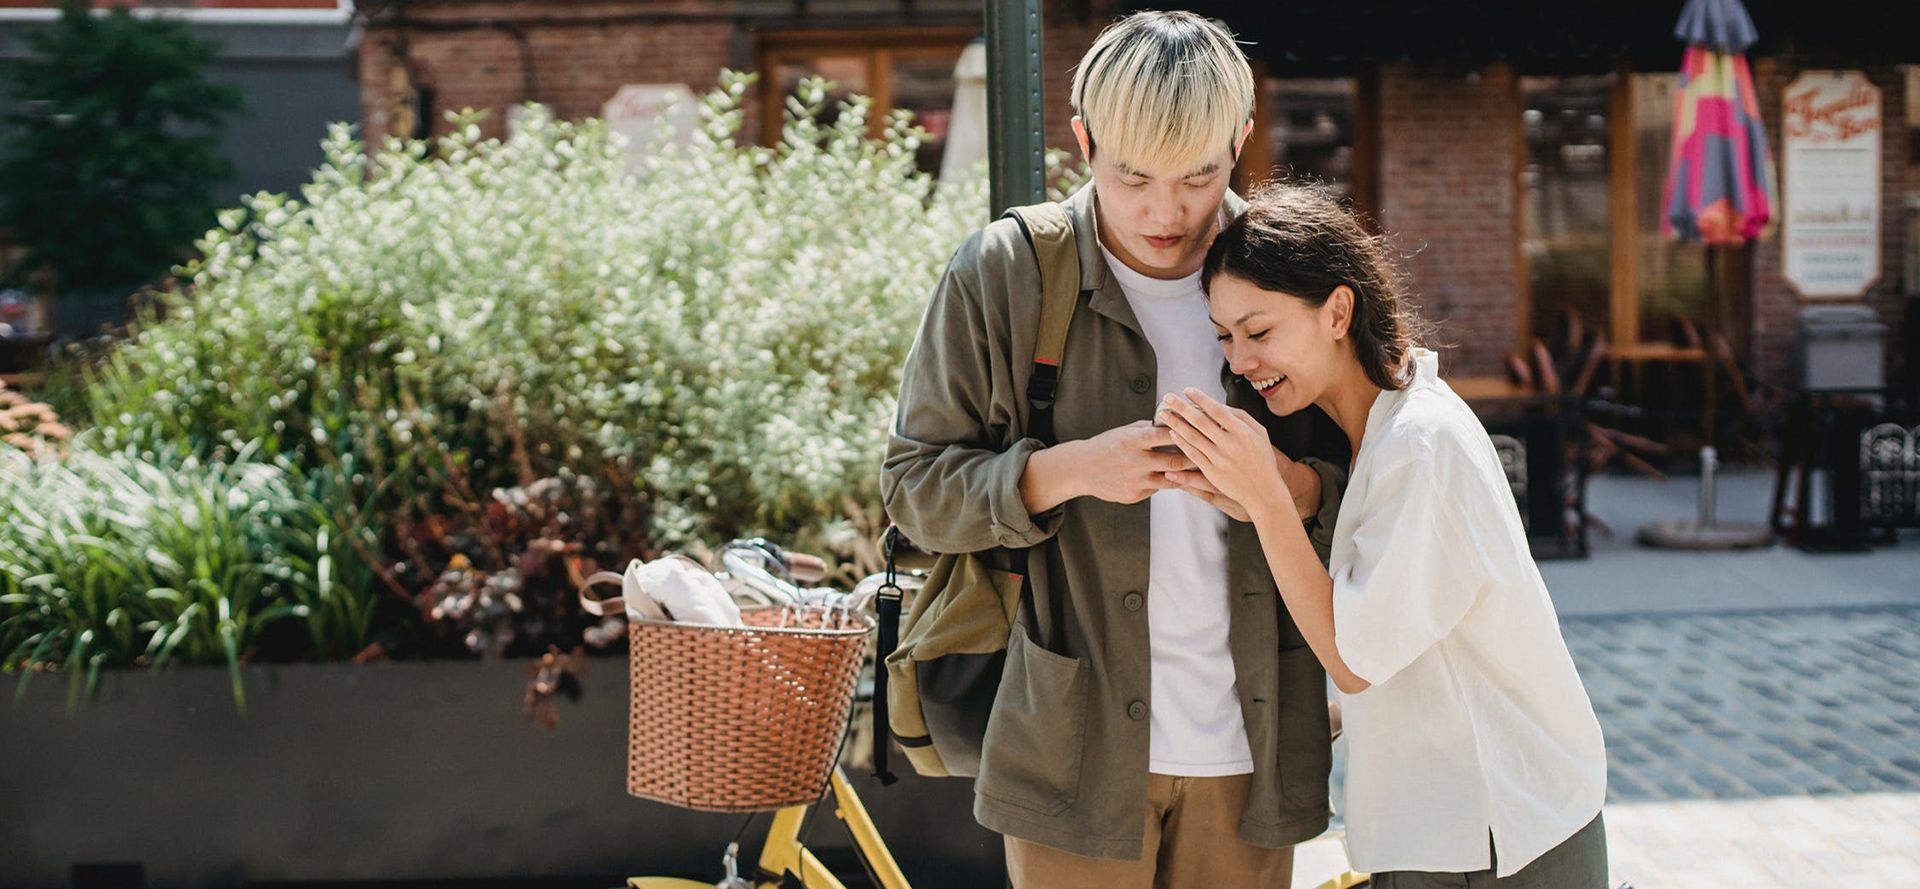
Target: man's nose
[[1165, 207]]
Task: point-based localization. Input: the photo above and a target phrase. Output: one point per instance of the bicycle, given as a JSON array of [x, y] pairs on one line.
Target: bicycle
[[763, 573], [785, 854]]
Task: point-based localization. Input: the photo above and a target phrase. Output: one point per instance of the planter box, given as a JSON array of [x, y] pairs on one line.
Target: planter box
[[382, 772]]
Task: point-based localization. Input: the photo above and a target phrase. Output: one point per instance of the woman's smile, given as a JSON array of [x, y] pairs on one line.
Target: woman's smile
[[1268, 387]]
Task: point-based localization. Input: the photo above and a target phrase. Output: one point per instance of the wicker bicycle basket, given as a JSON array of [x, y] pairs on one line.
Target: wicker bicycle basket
[[741, 719]]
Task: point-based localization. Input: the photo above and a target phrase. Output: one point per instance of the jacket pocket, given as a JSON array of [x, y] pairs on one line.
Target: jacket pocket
[[1305, 742], [1037, 732]]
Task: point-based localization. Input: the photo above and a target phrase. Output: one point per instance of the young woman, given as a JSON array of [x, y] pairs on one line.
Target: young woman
[[1474, 755]]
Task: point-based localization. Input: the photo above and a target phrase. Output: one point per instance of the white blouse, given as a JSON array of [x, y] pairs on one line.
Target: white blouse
[[1475, 721]]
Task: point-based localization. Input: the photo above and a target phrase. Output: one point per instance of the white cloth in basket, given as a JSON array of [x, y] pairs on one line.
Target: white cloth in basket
[[678, 589]]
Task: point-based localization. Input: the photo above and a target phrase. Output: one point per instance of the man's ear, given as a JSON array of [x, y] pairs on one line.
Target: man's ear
[[1340, 310], [1240, 144], [1086, 141]]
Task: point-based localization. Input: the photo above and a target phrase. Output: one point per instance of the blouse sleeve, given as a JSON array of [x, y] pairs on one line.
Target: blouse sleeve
[[1422, 556]]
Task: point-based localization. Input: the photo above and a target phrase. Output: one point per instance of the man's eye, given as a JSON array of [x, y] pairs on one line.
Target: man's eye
[[1133, 183]]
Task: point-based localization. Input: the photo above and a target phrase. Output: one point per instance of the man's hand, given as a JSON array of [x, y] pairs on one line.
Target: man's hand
[[1302, 483], [1231, 449], [1119, 465]]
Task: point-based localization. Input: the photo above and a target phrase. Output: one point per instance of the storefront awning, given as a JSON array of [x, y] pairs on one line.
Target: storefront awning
[[1323, 38]]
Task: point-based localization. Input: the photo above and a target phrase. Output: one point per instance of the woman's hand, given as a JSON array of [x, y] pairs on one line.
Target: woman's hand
[[1194, 482], [1232, 452]]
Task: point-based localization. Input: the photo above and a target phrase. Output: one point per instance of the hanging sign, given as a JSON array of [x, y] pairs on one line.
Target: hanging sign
[[1831, 155]]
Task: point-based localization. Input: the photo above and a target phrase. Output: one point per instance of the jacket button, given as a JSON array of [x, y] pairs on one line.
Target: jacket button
[[1141, 383], [1133, 601], [1137, 710]]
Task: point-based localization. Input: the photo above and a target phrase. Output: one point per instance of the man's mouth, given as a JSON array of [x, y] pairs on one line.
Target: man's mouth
[[1162, 242]]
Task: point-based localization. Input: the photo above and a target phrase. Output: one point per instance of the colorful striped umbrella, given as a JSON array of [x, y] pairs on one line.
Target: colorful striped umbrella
[[1719, 174], [1719, 191]]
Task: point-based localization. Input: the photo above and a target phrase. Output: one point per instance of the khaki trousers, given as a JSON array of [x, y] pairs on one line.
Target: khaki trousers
[[1192, 842]]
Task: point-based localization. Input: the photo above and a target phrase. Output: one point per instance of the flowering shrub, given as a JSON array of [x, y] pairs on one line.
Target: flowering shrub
[[725, 329]]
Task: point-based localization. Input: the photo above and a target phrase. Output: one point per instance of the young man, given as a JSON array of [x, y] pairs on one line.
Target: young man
[[1165, 725]]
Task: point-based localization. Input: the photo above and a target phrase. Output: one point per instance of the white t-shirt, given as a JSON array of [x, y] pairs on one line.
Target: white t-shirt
[[1475, 721], [1197, 730]]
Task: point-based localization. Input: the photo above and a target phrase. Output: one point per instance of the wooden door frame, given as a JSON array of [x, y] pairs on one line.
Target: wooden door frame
[[880, 46]]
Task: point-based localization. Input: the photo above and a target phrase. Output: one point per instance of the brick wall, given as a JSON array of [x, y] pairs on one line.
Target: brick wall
[[571, 56], [1069, 34], [469, 54], [1775, 305], [1447, 178]]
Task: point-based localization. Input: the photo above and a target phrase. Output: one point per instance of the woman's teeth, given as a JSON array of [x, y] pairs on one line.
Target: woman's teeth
[[1268, 383]]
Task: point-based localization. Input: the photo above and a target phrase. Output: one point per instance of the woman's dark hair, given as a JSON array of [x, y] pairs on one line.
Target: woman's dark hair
[[1299, 241]]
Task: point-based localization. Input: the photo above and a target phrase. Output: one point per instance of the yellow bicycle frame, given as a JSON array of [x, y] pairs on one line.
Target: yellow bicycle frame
[[784, 853]]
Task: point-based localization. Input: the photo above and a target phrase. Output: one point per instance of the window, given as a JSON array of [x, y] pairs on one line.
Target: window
[[1593, 185], [1315, 129], [1564, 185], [904, 69], [1670, 281]]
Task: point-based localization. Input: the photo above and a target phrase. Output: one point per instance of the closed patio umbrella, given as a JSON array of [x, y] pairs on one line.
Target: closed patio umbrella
[[1718, 189], [1718, 192]]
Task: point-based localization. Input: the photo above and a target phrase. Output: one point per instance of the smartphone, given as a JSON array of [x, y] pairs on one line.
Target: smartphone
[[1160, 420]]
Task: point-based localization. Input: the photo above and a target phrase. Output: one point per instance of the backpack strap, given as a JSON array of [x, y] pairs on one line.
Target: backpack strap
[[887, 601], [1049, 231]]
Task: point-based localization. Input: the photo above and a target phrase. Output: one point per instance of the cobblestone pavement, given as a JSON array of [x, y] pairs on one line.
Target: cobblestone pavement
[[1778, 749], [1743, 706]]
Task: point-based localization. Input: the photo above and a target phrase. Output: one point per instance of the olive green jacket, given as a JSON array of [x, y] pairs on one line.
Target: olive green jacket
[[1065, 756]]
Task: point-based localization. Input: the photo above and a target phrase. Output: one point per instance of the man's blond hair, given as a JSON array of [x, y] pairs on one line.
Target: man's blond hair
[[1163, 91]]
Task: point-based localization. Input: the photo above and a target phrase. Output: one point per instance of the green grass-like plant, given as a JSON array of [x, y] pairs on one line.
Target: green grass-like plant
[[115, 559]]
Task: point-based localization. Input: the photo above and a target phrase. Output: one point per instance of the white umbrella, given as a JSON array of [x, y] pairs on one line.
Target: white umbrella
[[967, 128]]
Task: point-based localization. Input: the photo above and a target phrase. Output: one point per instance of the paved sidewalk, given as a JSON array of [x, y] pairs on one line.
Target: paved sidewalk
[[1762, 709], [1623, 577]]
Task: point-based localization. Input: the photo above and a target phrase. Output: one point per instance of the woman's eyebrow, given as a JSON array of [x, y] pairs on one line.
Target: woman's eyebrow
[[1239, 321]]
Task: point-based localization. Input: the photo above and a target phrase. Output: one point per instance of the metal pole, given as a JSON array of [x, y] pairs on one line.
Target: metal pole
[[1016, 140], [1709, 466]]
